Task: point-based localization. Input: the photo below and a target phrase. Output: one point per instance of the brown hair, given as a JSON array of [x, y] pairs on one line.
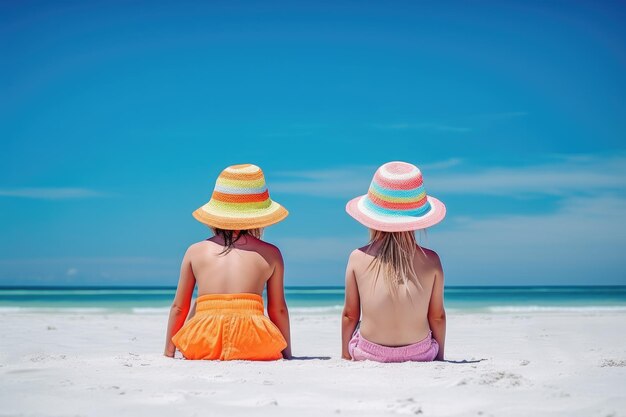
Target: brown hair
[[394, 258], [232, 236]]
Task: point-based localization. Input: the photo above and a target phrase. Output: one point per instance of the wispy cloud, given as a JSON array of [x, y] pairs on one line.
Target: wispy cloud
[[332, 182], [565, 177], [445, 164], [464, 124], [313, 249], [337, 182], [51, 193], [433, 127], [75, 262], [562, 177], [89, 270], [580, 243]]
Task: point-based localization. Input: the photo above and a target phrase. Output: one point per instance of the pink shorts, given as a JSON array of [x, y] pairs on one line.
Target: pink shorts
[[423, 351]]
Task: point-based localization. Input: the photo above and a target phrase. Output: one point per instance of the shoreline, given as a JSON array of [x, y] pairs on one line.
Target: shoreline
[[324, 299], [318, 310]]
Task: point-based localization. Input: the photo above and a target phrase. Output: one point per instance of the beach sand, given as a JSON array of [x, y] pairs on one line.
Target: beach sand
[[568, 363]]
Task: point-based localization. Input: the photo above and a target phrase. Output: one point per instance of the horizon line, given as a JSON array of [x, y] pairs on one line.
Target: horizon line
[[169, 287]]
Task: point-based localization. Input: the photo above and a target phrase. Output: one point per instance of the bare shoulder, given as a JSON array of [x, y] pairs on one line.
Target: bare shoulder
[[359, 254], [265, 244], [431, 257], [194, 248], [359, 259], [269, 251], [202, 248]]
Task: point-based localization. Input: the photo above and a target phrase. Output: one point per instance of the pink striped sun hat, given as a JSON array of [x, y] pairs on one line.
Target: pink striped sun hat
[[397, 201]]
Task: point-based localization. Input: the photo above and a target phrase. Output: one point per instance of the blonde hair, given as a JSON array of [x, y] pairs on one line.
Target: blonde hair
[[394, 257]]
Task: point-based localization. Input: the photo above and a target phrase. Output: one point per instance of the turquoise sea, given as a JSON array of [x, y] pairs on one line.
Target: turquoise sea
[[144, 300]]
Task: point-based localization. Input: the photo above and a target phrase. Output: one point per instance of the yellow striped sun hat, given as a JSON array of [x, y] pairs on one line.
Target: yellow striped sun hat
[[240, 201]]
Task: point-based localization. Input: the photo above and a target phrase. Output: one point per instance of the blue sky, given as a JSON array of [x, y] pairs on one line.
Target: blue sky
[[116, 118]]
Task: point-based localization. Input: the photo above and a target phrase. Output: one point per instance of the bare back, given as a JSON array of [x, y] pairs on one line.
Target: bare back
[[244, 269], [394, 319]]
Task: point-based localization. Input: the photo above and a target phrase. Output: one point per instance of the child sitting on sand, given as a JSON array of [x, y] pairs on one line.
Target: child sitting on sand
[[232, 269], [394, 286]]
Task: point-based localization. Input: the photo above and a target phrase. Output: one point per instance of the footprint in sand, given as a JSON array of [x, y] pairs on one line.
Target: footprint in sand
[[264, 403], [406, 406], [505, 379], [501, 378], [23, 371], [613, 363]]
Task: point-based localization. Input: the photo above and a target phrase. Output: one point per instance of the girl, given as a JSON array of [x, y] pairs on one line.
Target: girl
[[393, 285], [232, 269]]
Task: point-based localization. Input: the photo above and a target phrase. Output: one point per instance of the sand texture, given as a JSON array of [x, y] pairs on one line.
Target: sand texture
[[505, 364]]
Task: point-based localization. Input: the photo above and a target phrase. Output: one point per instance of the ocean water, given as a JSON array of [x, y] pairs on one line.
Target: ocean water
[[315, 300]]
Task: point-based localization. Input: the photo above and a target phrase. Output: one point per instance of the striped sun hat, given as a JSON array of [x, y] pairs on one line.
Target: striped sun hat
[[397, 201], [240, 201]]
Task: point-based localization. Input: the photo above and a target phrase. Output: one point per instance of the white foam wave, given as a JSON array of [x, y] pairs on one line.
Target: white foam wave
[[553, 309], [295, 310], [150, 310], [316, 310], [6, 309], [307, 291]]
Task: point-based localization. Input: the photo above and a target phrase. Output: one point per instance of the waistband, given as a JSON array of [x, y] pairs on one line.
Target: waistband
[[243, 302], [376, 349]]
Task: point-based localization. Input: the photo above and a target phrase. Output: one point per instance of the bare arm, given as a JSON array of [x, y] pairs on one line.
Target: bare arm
[[436, 311], [351, 311], [180, 306], [276, 304], [192, 312]]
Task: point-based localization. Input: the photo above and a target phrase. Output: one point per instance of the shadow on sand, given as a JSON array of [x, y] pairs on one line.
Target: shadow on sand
[[310, 358], [466, 361], [325, 358]]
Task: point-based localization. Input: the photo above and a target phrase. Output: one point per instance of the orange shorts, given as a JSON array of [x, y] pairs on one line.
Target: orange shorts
[[230, 327]]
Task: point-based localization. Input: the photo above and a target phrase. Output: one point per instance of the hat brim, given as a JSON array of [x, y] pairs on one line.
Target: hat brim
[[376, 221], [253, 220]]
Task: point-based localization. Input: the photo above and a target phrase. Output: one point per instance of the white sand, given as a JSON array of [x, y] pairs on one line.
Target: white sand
[[518, 364]]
